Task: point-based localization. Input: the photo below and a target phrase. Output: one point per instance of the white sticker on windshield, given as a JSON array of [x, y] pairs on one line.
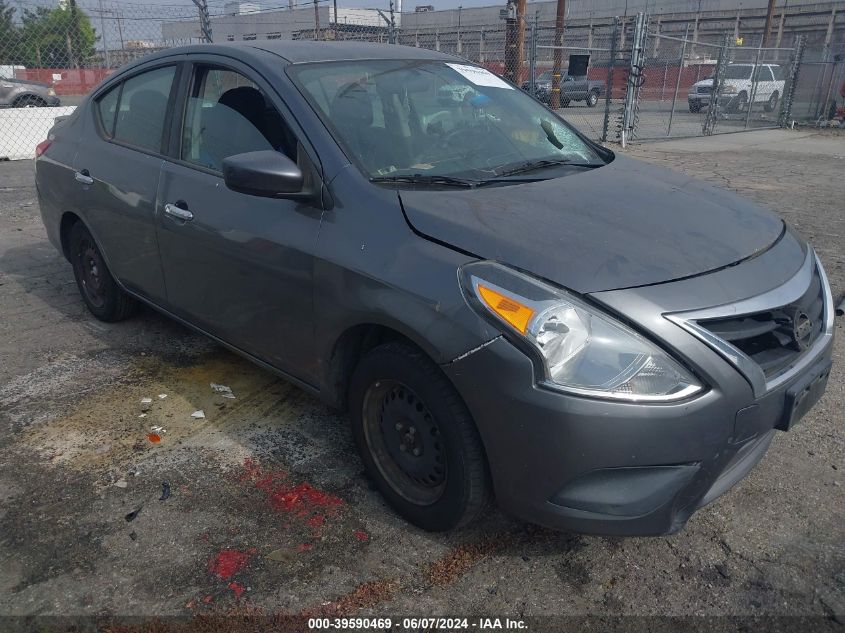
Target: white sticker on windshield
[[480, 76]]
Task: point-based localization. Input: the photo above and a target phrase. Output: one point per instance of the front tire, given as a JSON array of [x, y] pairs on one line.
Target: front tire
[[592, 99], [101, 294], [417, 438], [30, 101]]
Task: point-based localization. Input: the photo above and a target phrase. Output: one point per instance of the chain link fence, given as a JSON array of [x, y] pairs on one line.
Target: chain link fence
[[617, 79]]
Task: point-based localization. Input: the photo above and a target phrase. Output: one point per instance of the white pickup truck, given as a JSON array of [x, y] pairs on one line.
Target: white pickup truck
[[742, 83]]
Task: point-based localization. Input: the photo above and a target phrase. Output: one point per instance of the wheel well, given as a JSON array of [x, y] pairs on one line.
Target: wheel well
[[28, 95], [68, 220], [348, 351]]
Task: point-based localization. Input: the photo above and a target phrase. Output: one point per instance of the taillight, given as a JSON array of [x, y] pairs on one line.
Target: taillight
[[42, 147]]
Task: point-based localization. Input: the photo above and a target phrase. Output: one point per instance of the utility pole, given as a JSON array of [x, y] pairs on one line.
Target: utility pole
[[767, 30], [334, 28], [316, 21], [205, 21], [75, 53], [558, 54], [105, 42]]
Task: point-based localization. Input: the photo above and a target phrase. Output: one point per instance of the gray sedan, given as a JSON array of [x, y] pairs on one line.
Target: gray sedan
[[505, 309]]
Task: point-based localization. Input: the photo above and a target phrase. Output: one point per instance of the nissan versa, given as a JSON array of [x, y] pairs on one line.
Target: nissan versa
[[503, 307]]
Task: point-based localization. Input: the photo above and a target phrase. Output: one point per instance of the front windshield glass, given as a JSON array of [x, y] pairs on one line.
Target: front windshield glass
[[435, 119]]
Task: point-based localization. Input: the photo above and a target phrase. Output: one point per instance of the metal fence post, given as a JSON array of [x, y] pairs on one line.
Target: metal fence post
[[791, 81], [532, 60], [754, 84], [678, 81], [635, 78], [718, 81], [608, 94], [205, 21]]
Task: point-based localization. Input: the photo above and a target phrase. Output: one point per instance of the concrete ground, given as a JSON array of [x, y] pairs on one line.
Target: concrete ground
[[269, 511]]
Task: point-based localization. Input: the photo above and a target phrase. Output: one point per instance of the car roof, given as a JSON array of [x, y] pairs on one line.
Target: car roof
[[302, 51]]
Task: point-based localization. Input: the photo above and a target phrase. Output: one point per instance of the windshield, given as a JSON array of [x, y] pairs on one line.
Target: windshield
[[735, 71], [435, 119]]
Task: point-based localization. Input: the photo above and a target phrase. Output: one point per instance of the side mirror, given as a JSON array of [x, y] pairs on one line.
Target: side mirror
[[266, 173]]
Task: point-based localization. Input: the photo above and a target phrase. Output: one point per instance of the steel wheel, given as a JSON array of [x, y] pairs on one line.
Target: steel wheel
[[91, 267], [404, 440]]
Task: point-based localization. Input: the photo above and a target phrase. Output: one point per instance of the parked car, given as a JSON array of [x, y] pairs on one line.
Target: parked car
[[763, 82], [20, 93], [502, 306], [571, 89]]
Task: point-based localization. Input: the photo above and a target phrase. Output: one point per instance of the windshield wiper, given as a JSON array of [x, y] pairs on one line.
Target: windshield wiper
[[533, 165], [423, 179]]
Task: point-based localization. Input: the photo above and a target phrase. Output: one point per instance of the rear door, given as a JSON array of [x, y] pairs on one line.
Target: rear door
[[117, 170], [238, 266]]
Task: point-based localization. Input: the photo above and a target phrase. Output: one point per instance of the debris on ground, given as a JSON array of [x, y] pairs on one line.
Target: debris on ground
[[165, 491], [143, 415], [158, 429], [162, 396], [198, 415], [155, 438], [121, 483], [131, 516], [236, 588], [223, 390], [146, 400], [133, 536]]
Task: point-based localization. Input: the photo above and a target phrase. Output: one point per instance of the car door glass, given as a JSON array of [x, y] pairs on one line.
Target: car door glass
[[143, 107], [761, 73], [107, 110], [227, 114]]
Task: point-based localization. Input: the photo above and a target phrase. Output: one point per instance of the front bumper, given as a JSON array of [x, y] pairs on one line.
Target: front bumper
[[604, 467]]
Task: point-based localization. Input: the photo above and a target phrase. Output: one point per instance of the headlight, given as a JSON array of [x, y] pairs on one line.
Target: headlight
[[728, 90], [581, 349]]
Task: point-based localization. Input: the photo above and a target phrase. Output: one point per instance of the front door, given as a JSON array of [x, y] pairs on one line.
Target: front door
[[238, 266]]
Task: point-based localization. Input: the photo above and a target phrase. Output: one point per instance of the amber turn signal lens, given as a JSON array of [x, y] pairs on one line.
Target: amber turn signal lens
[[512, 311]]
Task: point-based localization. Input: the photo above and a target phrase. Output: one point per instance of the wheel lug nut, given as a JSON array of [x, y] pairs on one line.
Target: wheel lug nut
[[398, 426], [417, 452], [412, 430], [403, 448]]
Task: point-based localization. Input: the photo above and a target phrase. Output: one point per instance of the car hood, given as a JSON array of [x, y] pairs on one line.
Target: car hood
[[25, 82], [622, 225], [703, 82]]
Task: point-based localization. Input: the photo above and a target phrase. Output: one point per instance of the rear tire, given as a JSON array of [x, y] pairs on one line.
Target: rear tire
[[772, 103], [417, 438], [592, 99], [99, 291]]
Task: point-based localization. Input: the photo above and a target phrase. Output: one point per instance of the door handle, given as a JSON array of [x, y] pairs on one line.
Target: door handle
[[84, 177], [176, 211]]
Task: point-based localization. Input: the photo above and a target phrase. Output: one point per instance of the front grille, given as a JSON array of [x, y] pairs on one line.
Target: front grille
[[775, 338], [704, 90]]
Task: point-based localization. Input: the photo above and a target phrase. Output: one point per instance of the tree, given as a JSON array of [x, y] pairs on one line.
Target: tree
[[9, 39], [56, 38]]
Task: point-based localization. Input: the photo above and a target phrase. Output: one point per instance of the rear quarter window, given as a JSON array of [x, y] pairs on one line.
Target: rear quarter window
[[107, 110]]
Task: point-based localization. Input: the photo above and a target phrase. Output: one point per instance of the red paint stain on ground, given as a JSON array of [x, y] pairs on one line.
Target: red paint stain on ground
[[361, 535], [236, 588], [305, 547], [208, 600], [154, 438], [301, 501], [228, 562]]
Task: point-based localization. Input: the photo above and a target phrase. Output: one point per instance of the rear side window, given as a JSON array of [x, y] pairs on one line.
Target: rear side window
[[107, 110], [143, 108]]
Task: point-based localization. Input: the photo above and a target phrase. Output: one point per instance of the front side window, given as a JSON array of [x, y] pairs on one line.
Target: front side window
[[738, 71], [143, 108], [227, 114], [762, 73], [434, 118]]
